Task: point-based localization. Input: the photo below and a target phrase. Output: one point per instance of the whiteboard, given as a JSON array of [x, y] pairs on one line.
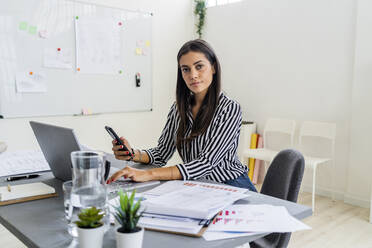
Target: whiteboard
[[33, 31]]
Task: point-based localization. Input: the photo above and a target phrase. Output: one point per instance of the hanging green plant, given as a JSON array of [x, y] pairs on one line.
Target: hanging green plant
[[200, 12]]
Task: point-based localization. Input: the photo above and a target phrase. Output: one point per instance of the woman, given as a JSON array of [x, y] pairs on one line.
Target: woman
[[203, 125]]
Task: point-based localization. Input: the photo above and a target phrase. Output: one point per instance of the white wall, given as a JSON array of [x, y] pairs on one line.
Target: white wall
[[172, 26], [290, 59], [280, 58], [359, 174]]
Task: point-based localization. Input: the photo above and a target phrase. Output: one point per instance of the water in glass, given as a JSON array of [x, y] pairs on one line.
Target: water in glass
[[88, 186]]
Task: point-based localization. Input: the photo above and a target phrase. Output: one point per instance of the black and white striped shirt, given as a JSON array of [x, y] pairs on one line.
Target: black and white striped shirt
[[211, 155]]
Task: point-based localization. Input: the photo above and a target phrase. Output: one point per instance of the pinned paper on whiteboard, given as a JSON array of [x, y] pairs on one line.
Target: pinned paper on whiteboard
[[98, 45], [58, 58], [145, 52], [31, 82]]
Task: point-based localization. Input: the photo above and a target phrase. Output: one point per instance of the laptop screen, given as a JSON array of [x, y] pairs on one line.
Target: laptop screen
[[56, 143]]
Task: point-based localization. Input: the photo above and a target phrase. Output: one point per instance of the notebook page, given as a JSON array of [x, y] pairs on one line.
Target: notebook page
[[25, 190]]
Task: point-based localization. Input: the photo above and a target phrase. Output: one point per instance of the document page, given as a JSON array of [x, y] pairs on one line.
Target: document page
[[98, 45], [192, 199], [22, 162], [256, 218], [175, 185]]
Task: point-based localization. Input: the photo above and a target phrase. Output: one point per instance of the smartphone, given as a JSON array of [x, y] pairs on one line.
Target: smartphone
[[118, 140]]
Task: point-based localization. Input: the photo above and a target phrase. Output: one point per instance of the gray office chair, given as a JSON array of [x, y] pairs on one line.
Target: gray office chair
[[283, 180]]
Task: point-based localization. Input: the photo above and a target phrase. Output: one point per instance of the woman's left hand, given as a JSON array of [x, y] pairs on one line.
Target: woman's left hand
[[132, 173]]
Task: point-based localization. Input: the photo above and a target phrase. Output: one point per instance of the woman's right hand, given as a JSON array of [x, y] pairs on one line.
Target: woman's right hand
[[121, 155]]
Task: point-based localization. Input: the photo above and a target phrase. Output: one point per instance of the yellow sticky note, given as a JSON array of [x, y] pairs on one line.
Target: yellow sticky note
[[147, 43], [139, 51]]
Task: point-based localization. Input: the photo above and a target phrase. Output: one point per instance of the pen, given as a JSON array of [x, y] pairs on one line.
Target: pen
[[14, 178], [9, 189]]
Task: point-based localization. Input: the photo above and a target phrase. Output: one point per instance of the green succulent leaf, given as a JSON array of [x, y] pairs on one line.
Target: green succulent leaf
[[90, 218]]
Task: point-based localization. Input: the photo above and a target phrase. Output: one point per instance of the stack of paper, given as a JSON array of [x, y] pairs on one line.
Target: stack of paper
[[246, 220], [185, 206], [171, 223]]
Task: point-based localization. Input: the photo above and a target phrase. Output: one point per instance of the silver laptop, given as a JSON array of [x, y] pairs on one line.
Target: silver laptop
[[56, 143]]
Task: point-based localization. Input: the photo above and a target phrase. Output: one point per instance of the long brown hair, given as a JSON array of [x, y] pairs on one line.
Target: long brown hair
[[185, 99]]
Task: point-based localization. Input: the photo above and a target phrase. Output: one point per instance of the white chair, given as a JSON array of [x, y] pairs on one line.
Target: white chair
[[316, 130], [279, 126]]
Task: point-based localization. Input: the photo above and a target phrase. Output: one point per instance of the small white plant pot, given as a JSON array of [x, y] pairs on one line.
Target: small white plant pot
[[132, 240], [91, 237]]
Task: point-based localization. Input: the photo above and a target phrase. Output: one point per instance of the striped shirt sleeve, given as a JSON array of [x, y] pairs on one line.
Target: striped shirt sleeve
[[160, 155], [224, 132]]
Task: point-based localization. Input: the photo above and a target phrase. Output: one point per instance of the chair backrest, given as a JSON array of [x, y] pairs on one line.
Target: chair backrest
[[283, 180], [284, 176], [280, 126], [318, 129]]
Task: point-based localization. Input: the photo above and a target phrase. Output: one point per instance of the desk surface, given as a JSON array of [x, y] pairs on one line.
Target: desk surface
[[41, 223]]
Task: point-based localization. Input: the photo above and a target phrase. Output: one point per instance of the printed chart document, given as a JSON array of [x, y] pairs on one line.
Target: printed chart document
[[192, 199], [256, 218], [22, 162]]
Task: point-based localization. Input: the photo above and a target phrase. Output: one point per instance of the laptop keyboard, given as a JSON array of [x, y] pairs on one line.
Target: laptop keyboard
[[127, 185]]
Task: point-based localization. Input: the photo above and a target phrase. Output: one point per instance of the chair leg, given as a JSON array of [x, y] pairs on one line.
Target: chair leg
[[313, 195], [370, 212], [333, 179]]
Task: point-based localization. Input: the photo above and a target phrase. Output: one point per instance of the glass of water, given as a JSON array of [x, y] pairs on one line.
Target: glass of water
[[89, 188], [71, 227]]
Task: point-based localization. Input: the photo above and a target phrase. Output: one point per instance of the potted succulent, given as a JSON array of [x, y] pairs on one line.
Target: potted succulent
[[90, 228], [127, 216]]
